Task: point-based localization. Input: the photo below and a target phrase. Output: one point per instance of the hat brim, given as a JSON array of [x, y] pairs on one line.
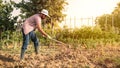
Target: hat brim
[[46, 15]]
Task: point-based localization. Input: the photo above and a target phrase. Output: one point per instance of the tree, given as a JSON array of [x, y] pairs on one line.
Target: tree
[[6, 19], [108, 21], [105, 22], [31, 7], [116, 15]]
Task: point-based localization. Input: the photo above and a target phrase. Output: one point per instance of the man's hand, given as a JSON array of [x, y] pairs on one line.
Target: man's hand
[[49, 37], [44, 36]]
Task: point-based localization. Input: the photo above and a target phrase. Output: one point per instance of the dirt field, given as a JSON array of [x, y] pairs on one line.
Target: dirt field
[[64, 57]]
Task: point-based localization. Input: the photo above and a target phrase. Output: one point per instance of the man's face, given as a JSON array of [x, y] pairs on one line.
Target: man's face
[[43, 16]]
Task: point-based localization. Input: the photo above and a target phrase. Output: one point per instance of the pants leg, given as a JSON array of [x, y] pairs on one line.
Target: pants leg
[[25, 44], [35, 41]]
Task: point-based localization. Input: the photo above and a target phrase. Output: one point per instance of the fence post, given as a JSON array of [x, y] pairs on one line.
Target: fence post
[[81, 20], [92, 20], [74, 21], [113, 23], [70, 22], [106, 23]]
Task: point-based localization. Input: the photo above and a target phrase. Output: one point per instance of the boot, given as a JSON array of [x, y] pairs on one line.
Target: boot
[[22, 54], [36, 49]]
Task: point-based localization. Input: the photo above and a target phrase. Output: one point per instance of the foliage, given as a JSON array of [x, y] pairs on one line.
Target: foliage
[[8, 37], [110, 22], [86, 33], [116, 15], [6, 19], [105, 22], [88, 36], [31, 7]]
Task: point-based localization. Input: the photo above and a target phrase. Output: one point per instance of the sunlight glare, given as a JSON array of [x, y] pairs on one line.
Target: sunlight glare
[[85, 9]]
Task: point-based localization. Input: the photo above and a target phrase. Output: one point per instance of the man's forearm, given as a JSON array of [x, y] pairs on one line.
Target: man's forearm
[[43, 33]]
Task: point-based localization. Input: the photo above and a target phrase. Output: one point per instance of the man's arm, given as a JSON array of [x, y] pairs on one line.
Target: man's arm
[[41, 30], [39, 27]]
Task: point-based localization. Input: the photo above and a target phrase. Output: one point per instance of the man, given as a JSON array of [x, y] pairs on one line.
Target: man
[[28, 28]]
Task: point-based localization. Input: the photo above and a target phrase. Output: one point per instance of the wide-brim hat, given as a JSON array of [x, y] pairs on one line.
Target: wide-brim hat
[[45, 12]]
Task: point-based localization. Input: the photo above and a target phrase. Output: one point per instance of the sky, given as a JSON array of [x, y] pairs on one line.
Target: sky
[[85, 8]]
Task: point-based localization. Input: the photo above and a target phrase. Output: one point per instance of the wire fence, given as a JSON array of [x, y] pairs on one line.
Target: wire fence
[[75, 22]]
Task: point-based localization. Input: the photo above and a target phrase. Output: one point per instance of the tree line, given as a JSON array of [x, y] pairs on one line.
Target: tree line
[[108, 22], [29, 8]]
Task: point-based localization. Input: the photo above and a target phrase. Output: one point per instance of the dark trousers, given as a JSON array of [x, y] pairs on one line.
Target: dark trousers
[[26, 39]]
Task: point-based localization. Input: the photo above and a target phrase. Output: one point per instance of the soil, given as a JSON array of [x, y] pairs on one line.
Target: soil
[[64, 57]]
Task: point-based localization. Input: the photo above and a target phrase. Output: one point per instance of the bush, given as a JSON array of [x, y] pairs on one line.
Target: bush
[[86, 33]]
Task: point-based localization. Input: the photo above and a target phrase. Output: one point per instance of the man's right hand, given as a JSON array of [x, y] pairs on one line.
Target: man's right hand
[[49, 37]]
